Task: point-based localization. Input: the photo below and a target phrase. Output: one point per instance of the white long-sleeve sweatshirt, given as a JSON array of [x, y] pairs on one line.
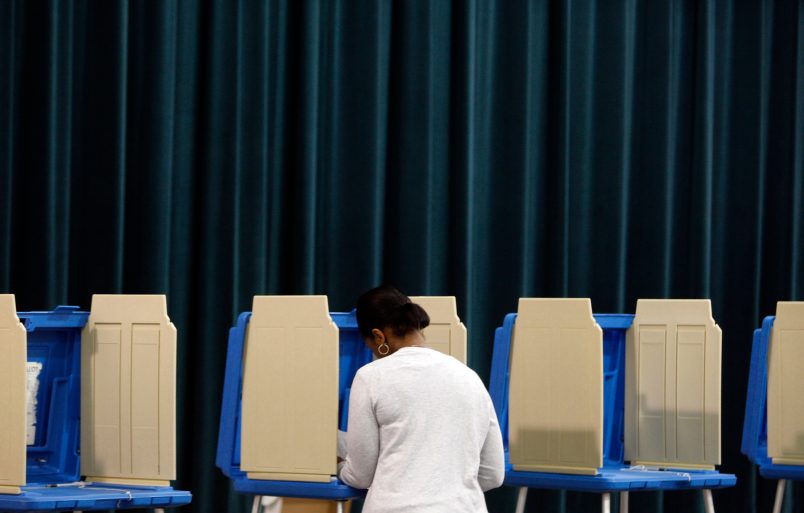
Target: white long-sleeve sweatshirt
[[423, 436]]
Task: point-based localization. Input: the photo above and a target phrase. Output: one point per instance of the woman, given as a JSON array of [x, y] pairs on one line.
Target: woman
[[423, 435]]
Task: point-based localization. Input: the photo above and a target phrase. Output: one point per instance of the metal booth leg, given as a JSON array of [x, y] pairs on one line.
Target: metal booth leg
[[709, 504], [777, 503], [521, 498], [256, 505], [623, 502], [606, 503]]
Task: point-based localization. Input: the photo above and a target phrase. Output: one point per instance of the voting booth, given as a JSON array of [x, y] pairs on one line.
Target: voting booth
[[88, 401], [289, 369], [773, 428], [609, 402]]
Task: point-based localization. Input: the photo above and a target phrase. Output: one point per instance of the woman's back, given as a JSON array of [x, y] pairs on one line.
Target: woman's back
[[423, 435]]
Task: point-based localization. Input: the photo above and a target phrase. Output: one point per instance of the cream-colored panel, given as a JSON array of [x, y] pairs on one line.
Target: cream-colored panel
[[652, 409], [13, 354], [446, 332], [555, 413], [128, 391], [672, 386], [290, 390], [786, 385]]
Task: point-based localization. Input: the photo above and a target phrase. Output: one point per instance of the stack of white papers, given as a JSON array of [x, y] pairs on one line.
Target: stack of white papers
[[31, 388]]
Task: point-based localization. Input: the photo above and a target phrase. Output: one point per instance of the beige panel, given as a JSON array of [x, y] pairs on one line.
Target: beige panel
[[278, 476], [555, 413], [106, 447], [128, 391], [652, 378], [446, 332], [786, 385], [690, 403], [290, 390], [672, 386], [312, 506], [13, 354]]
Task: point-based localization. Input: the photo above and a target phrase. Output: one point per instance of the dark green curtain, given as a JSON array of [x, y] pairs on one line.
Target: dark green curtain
[[487, 149]]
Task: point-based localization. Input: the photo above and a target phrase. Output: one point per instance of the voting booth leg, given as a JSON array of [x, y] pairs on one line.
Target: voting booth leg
[[709, 504], [623, 502], [606, 503], [521, 498], [777, 503], [339, 507], [266, 504]]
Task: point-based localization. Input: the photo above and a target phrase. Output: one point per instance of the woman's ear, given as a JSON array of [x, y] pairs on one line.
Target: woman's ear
[[379, 336]]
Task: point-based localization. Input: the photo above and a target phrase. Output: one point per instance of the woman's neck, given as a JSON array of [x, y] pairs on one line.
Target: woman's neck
[[412, 339]]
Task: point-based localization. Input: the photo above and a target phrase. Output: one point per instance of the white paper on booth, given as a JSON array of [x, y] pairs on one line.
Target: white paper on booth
[[32, 371]]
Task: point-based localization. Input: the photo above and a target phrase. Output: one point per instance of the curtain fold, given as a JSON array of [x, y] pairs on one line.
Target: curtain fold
[[484, 149]]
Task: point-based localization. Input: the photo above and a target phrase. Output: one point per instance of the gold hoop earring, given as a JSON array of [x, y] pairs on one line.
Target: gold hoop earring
[[387, 349]]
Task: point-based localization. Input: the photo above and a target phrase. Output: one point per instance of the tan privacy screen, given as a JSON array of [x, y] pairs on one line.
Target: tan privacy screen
[[786, 385], [446, 332], [555, 414], [672, 385], [290, 390], [13, 351], [128, 391]]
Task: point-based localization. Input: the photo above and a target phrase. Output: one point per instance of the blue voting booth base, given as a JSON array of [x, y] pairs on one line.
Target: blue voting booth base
[[755, 424], [614, 476], [52, 461], [91, 497], [353, 354]]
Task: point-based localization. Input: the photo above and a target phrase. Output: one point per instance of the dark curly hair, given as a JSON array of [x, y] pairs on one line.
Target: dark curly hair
[[386, 307]]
